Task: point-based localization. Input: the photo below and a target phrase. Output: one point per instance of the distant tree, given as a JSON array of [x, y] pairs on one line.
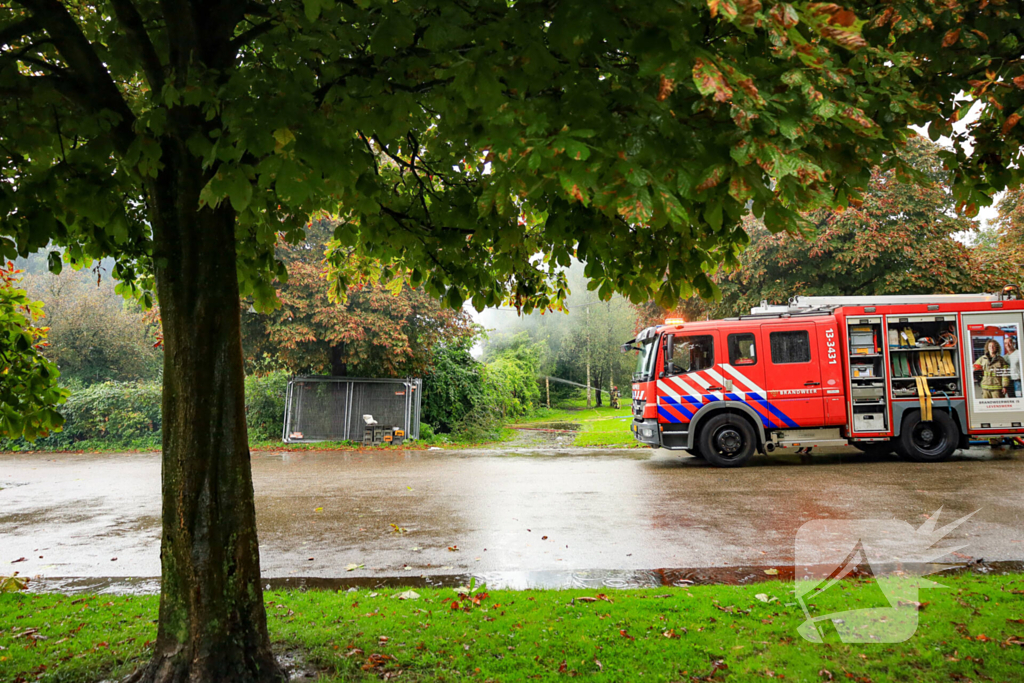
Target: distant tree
[[95, 335], [29, 393], [375, 330], [904, 239], [596, 333], [1003, 250]]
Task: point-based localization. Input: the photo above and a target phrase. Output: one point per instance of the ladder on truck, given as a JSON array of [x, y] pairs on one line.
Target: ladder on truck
[[804, 304]]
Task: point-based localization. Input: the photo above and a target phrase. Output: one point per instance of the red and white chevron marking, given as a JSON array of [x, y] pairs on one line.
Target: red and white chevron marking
[[699, 384]]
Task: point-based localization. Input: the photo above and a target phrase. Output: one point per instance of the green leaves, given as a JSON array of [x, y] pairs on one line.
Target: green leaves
[[28, 381], [467, 145]]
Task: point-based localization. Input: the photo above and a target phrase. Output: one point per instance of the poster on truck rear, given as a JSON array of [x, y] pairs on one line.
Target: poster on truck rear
[[994, 374]]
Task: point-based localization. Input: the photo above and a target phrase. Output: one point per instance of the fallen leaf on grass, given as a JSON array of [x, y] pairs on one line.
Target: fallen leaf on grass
[[11, 584], [671, 633], [826, 674], [352, 567], [318, 509], [377, 661], [453, 548], [587, 599], [395, 529], [912, 603], [408, 595], [622, 632], [763, 597], [602, 596], [771, 572], [562, 667]]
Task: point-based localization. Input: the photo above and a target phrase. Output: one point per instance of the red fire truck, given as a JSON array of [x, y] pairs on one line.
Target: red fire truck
[[919, 375]]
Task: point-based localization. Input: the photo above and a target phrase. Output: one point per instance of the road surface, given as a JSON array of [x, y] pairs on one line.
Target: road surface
[[424, 513]]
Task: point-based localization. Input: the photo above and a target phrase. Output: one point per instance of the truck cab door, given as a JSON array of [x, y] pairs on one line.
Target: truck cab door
[[793, 374]]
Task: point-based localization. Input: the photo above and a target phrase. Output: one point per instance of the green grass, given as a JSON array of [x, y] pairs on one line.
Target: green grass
[[598, 426], [970, 631]]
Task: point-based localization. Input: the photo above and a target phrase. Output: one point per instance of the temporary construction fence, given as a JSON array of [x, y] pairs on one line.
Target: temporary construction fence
[[321, 408]]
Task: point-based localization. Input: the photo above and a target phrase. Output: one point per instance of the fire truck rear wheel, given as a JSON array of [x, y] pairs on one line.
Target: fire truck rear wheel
[[928, 441], [727, 440]]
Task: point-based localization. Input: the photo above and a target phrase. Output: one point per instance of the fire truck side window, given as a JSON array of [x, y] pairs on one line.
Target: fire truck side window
[[742, 349], [691, 354], [790, 347]]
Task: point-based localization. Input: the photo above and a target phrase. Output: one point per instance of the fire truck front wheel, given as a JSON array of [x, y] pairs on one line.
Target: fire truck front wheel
[[727, 440], [928, 441]]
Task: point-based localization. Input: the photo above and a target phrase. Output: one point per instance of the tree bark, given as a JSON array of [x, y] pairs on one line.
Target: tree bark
[[212, 624]]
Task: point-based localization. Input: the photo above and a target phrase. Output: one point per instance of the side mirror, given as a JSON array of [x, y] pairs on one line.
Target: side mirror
[[627, 347], [669, 351]]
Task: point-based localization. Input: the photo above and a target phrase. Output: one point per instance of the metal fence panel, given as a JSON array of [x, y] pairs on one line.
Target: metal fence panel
[[332, 408]]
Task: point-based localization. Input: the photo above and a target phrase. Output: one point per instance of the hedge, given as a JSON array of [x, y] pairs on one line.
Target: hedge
[[128, 415]]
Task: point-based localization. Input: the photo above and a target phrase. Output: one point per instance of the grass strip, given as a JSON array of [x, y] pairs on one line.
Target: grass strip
[[972, 630]]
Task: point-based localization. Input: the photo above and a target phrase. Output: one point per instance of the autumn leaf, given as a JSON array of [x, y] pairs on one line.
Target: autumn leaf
[[843, 17], [665, 88], [851, 40], [1010, 122], [710, 81], [727, 7], [784, 15], [711, 177], [951, 37]]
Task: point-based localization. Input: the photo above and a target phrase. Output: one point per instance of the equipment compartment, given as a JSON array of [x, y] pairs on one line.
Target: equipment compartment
[[924, 347], [867, 375]]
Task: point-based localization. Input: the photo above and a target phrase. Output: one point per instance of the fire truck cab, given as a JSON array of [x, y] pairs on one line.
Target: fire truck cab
[[918, 375]]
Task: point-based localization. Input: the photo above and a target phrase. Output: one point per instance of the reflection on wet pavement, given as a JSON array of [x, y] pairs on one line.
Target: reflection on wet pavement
[[457, 513]]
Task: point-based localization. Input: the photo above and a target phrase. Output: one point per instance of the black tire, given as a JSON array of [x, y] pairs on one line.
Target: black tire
[[928, 441], [727, 440], [874, 448], [693, 453]]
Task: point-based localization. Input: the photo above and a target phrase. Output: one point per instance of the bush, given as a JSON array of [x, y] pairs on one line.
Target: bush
[[264, 405], [127, 415], [510, 378], [116, 413], [452, 387]]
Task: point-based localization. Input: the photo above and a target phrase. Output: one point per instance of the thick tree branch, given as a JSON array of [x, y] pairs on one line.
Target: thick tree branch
[[91, 76], [128, 15]]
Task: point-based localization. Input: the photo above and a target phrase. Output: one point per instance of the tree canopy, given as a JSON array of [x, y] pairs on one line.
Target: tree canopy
[[905, 238]]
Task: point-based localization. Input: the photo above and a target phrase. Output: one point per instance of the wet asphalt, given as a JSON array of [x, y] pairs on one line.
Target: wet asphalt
[[517, 512]]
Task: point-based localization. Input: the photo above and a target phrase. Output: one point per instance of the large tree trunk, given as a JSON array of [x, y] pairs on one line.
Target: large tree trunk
[[213, 624]]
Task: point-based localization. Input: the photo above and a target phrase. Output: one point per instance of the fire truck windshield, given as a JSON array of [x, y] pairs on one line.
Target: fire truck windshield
[[645, 360]]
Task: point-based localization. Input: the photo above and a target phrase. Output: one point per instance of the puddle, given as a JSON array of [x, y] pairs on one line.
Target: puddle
[[549, 426], [556, 579]]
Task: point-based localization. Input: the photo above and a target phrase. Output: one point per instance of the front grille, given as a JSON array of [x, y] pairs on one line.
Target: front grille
[[638, 407]]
